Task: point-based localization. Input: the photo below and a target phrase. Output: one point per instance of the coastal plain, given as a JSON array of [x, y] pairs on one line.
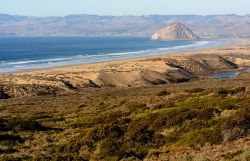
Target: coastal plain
[[141, 72], [164, 107]]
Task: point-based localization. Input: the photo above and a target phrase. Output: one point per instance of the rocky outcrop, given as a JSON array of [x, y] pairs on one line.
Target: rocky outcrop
[[175, 31]]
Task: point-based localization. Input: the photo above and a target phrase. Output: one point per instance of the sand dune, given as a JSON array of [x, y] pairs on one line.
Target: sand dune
[[127, 73]]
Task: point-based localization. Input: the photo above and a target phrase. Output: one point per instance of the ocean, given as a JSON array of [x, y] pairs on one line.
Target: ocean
[[22, 53]]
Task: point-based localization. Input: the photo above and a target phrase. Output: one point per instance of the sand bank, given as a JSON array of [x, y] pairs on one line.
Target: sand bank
[[148, 71]]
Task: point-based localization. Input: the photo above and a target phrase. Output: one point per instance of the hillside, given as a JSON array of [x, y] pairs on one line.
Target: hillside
[[94, 25], [176, 122], [124, 80], [175, 31], [152, 109]]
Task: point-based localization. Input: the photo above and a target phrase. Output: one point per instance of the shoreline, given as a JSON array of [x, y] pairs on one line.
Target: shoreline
[[223, 43], [135, 72], [227, 43]]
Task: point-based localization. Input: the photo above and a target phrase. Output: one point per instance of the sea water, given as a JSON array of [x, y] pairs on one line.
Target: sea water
[[20, 53]]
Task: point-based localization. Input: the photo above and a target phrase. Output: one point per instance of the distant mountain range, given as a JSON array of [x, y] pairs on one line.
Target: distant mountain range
[[94, 25]]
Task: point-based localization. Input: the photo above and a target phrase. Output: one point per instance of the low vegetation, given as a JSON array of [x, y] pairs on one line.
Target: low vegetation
[[129, 125]]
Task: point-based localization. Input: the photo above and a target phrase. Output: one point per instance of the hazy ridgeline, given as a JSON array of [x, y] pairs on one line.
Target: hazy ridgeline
[[94, 25]]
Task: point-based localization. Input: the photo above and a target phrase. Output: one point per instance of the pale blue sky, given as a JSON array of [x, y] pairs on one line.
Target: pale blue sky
[[123, 7]]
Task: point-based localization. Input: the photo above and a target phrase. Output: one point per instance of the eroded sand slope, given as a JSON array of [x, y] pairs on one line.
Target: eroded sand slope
[[126, 73]]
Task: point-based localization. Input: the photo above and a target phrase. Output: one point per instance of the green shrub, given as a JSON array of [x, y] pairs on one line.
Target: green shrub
[[110, 149], [167, 104], [166, 119], [101, 132], [239, 119], [3, 108], [202, 136], [18, 123], [40, 116], [232, 91], [8, 151], [54, 119], [231, 156], [134, 106], [60, 157], [206, 113], [112, 158], [139, 135], [24, 123], [105, 118], [223, 92], [238, 124], [10, 140], [162, 93], [211, 102], [12, 158], [248, 158], [238, 90], [194, 90], [191, 125]]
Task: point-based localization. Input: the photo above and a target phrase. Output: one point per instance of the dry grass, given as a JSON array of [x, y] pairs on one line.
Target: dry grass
[[187, 121]]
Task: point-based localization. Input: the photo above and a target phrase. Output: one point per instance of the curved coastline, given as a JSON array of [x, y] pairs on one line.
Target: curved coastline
[[24, 65], [135, 72]]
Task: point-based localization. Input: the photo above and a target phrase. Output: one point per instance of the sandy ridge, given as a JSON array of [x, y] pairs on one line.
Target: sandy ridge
[[128, 73]]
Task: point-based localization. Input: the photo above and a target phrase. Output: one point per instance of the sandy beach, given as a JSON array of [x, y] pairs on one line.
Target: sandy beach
[[173, 68]]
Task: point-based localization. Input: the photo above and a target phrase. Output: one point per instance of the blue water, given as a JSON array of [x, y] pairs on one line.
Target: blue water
[[19, 53], [229, 74]]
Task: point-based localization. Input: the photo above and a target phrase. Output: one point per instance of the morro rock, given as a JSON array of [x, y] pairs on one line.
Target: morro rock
[[175, 31]]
